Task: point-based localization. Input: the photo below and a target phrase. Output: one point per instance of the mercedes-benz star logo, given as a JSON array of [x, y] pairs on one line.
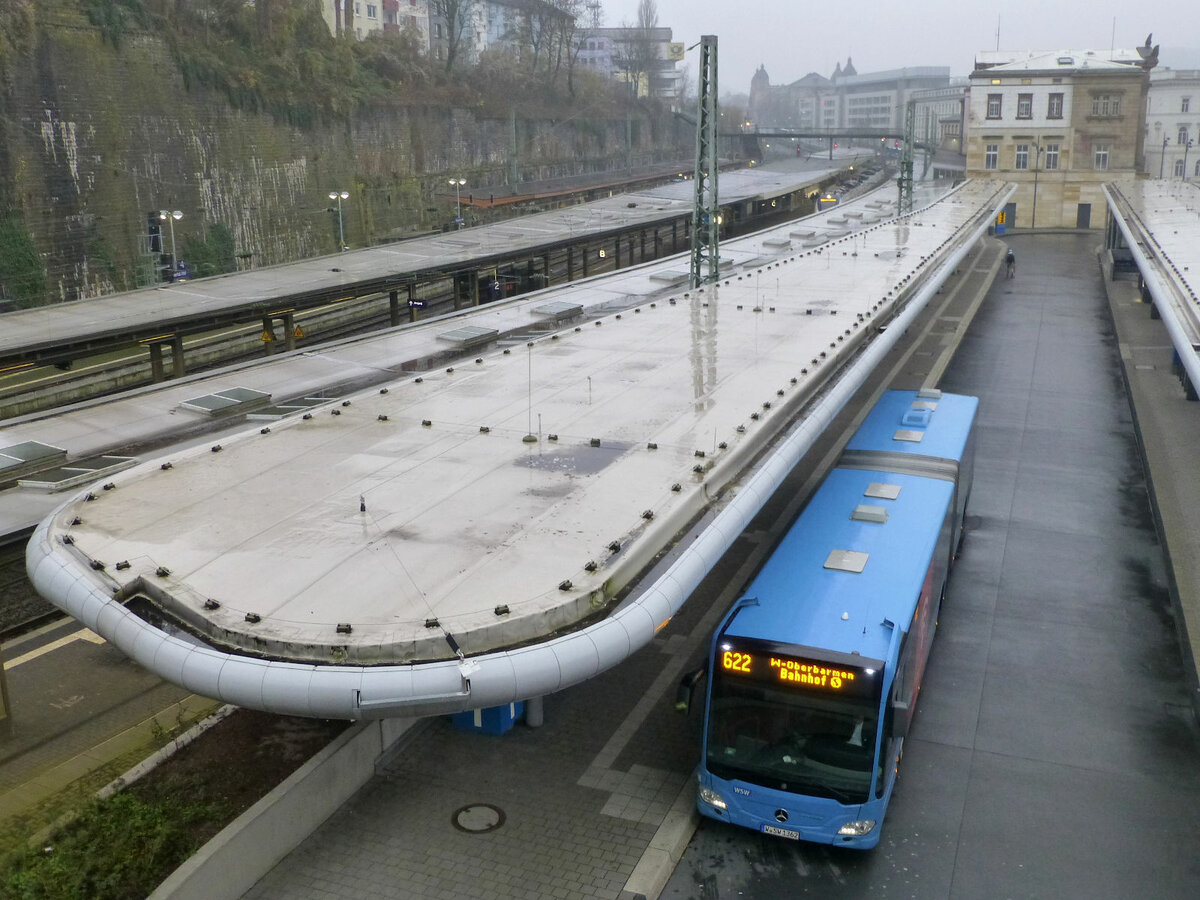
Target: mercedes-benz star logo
[[781, 815]]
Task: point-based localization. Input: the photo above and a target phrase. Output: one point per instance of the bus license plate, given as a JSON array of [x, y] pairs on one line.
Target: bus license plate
[[781, 832]]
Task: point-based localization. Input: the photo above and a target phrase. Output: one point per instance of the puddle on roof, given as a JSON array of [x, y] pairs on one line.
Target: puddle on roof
[[577, 459]]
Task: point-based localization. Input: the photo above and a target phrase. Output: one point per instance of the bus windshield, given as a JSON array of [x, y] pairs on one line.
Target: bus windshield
[[792, 741]]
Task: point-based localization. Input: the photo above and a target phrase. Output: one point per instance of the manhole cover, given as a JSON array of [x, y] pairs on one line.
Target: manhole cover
[[478, 818]]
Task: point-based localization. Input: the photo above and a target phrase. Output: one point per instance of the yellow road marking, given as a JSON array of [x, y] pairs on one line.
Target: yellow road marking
[[83, 634]]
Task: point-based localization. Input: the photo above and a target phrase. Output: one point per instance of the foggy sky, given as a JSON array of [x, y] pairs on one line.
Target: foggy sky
[[795, 37]]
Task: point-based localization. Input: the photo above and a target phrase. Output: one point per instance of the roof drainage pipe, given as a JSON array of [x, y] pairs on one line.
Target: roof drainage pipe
[[1160, 288], [353, 692]]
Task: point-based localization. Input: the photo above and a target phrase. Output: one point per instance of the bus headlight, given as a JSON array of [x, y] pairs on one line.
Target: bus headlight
[[712, 798], [857, 829]]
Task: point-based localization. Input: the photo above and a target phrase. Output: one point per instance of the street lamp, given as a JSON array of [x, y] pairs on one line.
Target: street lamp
[[171, 216], [458, 185], [1163, 158], [1037, 164], [1186, 148], [339, 196]]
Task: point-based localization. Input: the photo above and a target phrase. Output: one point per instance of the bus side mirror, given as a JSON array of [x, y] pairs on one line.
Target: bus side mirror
[[687, 684], [901, 717]]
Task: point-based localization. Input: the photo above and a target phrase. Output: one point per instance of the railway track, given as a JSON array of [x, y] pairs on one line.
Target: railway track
[[20, 607]]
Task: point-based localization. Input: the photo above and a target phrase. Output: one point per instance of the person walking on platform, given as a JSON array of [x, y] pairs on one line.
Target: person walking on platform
[[1010, 262]]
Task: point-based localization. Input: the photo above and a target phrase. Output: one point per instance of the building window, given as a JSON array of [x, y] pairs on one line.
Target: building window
[[1198, 168], [1107, 105], [1183, 135], [1100, 157], [358, 9], [1179, 168], [1184, 104], [1052, 156], [1022, 161], [993, 107], [1024, 106], [991, 156], [372, 11], [1055, 107]]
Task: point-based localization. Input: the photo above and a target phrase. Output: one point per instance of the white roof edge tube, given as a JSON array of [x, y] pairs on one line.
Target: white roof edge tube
[[490, 679], [1160, 289]]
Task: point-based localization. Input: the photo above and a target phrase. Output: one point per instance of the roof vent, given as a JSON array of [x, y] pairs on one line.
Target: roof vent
[[882, 491], [916, 418], [1066, 60], [846, 561], [929, 394], [906, 434], [866, 513]]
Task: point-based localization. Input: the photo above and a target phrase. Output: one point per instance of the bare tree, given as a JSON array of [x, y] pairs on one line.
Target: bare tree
[[543, 31], [637, 55], [647, 15], [264, 14], [570, 34], [456, 16]]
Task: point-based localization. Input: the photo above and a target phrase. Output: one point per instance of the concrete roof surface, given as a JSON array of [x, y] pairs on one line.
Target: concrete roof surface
[[459, 521]]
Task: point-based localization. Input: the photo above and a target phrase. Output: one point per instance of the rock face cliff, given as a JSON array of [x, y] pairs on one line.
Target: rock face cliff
[[95, 140]]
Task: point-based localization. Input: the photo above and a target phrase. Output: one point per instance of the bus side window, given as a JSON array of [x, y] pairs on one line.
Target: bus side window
[[900, 706], [887, 753]]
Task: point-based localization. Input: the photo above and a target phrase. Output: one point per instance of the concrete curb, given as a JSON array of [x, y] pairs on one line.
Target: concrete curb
[[250, 846], [166, 752], [63, 775], [658, 862]]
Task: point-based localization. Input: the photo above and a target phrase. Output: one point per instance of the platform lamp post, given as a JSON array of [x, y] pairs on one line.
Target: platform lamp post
[[1162, 159], [171, 217], [458, 185], [339, 196], [1186, 148], [1037, 164]]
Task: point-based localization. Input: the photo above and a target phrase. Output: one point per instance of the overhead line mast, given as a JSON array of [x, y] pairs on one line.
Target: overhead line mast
[[706, 210], [905, 202]]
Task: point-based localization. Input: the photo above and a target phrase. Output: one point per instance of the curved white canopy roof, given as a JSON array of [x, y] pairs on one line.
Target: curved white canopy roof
[[361, 562]]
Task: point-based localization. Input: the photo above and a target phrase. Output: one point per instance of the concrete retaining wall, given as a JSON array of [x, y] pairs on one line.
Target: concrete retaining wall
[[249, 847]]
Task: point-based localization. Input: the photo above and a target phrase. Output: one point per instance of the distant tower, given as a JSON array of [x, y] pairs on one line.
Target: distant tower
[[849, 70], [760, 91], [837, 73]]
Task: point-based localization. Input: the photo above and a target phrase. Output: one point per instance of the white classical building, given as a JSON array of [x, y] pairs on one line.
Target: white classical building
[[1061, 124], [1173, 124]]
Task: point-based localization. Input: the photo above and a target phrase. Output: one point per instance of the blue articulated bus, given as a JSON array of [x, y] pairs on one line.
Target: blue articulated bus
[[814, 671]]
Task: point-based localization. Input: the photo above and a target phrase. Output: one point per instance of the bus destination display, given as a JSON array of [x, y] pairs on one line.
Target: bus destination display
[[780, 669]]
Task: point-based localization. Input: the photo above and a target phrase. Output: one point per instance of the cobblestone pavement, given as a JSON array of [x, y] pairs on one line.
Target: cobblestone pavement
[[565, 810]]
